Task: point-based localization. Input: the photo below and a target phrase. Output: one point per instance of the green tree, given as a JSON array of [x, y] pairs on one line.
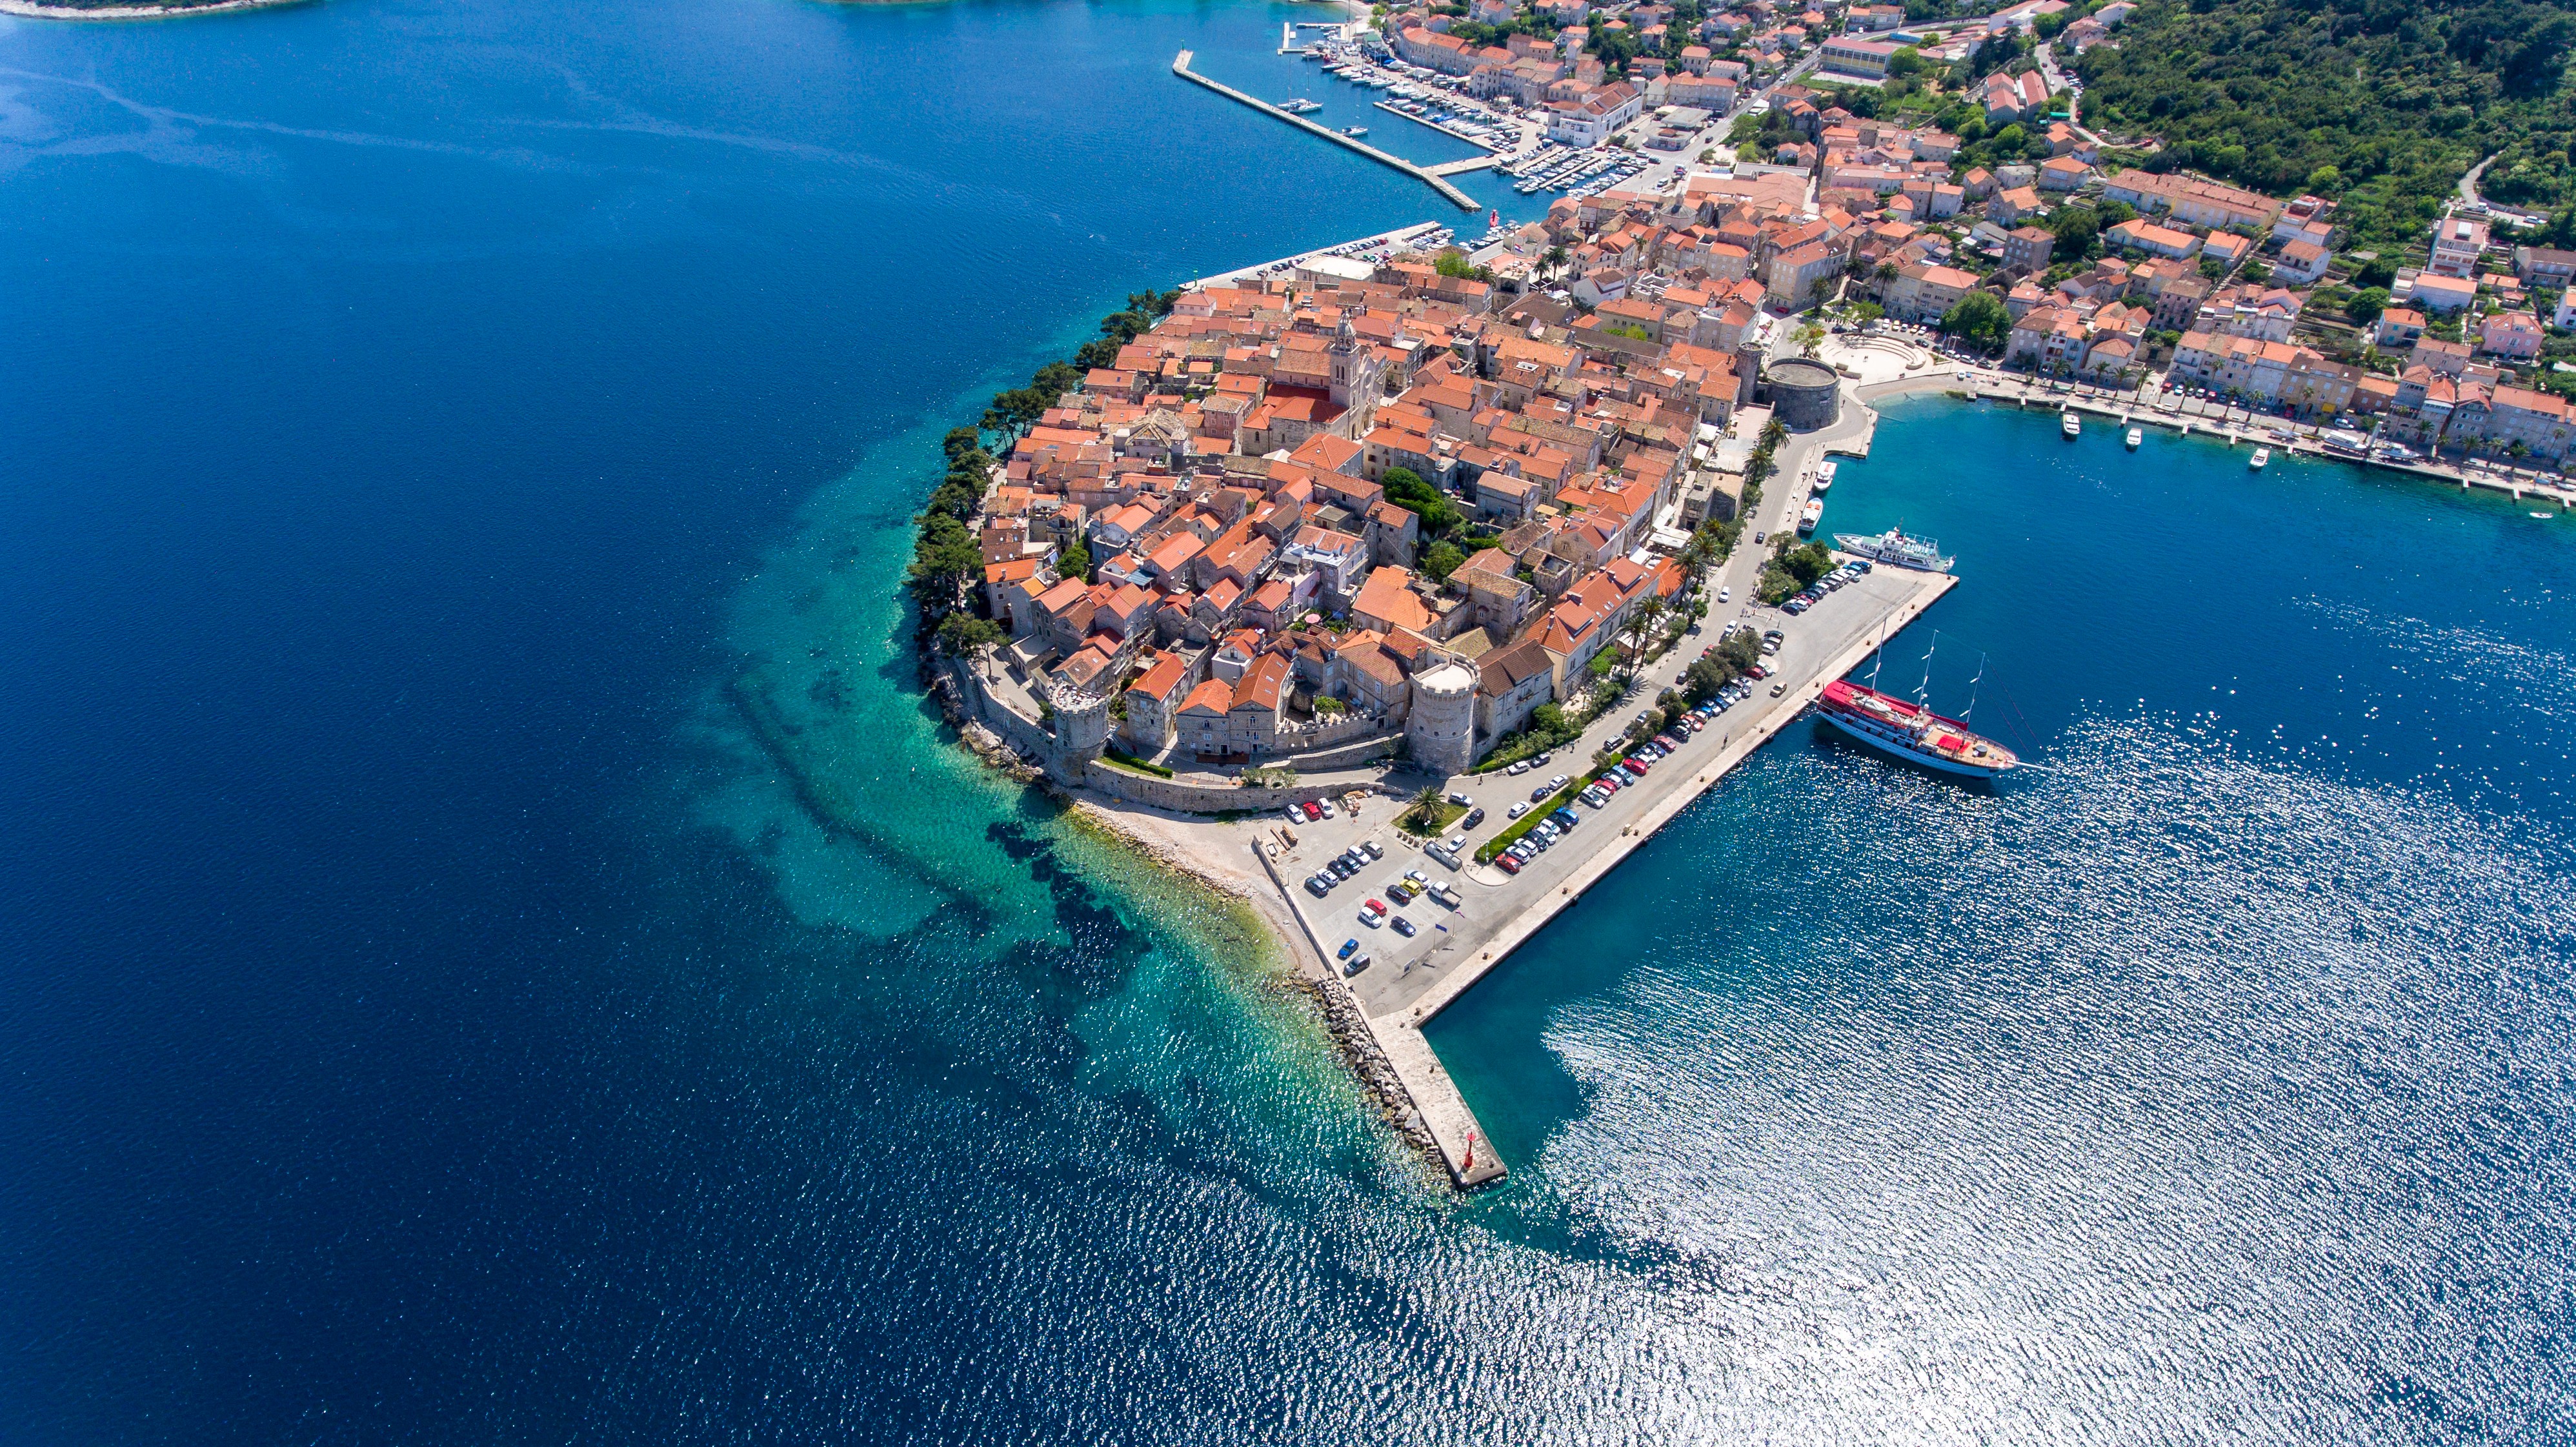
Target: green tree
[[2366, 304], [1441, 559], [961, 633], [1978, 318], [1074, 561]]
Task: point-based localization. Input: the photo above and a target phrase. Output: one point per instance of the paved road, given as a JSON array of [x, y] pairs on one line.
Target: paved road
[[1404, 969]]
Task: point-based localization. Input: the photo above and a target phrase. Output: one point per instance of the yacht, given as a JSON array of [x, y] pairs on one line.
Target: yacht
[[1355, 131]]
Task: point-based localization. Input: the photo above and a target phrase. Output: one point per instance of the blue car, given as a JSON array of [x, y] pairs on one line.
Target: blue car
[[1349, 948]]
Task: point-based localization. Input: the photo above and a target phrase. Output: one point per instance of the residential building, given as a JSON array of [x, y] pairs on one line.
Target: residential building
[[2458, 243]]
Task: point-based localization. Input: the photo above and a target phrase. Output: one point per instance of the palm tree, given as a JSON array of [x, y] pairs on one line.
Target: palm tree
[[1426, 809]]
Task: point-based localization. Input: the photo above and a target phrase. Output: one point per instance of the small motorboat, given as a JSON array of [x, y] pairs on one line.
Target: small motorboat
[[2068, 426], [2261, 459], [2135, 437]]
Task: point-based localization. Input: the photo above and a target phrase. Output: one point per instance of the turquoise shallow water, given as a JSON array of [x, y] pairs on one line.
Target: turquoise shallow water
[[426, 1014]]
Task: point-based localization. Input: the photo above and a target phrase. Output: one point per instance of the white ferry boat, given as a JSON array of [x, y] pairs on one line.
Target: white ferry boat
[[1894, 547], [1809, 516], [2261, 459]]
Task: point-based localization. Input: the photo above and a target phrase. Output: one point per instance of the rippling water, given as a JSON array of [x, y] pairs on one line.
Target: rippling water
[[428, 1014]]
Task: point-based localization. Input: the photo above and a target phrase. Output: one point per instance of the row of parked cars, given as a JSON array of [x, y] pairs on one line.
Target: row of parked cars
[[1312, 811], [1343, 866], [1840, 578], [1376, 913]]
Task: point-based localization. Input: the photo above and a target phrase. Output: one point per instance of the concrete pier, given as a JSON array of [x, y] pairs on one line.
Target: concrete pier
[[1500, 912], [1464, 202]]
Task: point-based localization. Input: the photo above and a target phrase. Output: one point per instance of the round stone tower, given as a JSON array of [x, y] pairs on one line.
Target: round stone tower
[[1441, 725], [1805, 394], [1081, 730]]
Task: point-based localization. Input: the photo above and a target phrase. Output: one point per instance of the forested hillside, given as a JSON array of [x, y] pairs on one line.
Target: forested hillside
[[2383, 102]]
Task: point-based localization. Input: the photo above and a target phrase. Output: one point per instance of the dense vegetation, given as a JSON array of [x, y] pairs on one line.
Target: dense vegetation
[[2384, 103]]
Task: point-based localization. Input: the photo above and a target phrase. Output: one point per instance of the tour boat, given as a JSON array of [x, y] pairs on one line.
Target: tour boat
[[1809, 516], [1894, 547], [1824, 477], [2068, 426], [2135, 437], [1355, 131], [1912, 732], [2261, 459]]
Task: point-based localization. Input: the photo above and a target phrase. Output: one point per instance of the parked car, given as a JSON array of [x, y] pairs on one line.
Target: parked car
[[1318, 886], [1508, 863], [1556, 783], [1403, 926], [1350, 947], [1474, 818], [1541, 792], [1373, 913], [1326, 805], [1516, 811], [1375, 849], [1295, 814], [1312, 813], [1355, 966]]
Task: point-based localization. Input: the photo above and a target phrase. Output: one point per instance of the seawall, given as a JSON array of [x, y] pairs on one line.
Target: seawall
[[1464, 202]]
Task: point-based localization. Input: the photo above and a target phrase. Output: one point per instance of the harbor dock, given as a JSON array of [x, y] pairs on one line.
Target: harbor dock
[[1499, 912], [1464, 202]]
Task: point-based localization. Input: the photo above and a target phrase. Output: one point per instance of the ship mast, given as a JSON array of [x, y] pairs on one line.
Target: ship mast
[[1877, 656], [1923, 691], [1971, 712]]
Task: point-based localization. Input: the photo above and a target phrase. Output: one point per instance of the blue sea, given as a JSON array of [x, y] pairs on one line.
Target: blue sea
[[429, 1014]]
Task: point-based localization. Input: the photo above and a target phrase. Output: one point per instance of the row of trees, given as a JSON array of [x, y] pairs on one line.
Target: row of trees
[[947, 559]]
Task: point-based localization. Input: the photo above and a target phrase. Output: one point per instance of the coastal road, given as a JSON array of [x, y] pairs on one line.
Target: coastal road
[[1406, 969]]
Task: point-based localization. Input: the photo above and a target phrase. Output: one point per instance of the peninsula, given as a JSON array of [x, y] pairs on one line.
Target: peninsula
[[1403, 587], [1331, 578], [127, 10]]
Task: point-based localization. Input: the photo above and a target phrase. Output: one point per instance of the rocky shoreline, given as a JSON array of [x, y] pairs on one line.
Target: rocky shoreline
[[1336, 1011]]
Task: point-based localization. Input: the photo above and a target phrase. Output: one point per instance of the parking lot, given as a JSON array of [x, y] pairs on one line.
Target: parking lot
[[1402, 968]]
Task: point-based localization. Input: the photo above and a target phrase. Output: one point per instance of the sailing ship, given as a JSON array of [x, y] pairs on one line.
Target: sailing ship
[[1911, 731]]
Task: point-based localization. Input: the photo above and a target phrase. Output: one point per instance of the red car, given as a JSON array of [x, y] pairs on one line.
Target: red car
[[1509, 864], [1314, 811]]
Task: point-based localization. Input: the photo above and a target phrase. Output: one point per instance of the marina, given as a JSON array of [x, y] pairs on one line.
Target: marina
[[1456, 197]]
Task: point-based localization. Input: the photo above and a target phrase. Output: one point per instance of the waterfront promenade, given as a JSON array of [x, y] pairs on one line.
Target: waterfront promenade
[[1413, 978], [1465, 202]]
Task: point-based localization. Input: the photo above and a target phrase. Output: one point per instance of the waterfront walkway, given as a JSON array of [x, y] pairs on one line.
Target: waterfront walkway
[[1465, 202], [1414, 978]]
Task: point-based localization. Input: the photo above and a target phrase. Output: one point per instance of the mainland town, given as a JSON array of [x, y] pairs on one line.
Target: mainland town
[[1369, 566]]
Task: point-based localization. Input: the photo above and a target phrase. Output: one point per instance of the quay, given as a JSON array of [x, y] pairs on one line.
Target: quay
[[1500, 912], [1398, 239], [1415, 979], [1464, 202], [2139, 415]]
